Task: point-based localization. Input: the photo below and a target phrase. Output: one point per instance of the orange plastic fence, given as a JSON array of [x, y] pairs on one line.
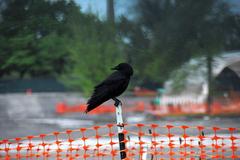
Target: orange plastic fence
[[143, 141], [63, 107], [217, 108]]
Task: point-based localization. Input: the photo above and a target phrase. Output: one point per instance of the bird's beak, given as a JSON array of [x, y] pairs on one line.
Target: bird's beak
[[114, 68]]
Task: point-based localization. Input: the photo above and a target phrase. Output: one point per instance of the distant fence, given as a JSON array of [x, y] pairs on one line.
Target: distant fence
[[229, 108], [143, 141], [63, 108], [217, 108]]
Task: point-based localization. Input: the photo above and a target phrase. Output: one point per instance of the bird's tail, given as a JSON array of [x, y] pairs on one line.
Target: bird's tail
[[94, 102]]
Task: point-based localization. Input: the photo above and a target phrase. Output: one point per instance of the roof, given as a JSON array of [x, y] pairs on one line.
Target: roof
[[195, 84], [228, 59]]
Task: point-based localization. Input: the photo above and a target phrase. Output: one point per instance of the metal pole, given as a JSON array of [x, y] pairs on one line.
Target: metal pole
[[120, 126]]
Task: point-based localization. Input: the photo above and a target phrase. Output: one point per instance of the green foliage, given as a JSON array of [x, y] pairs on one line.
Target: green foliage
[[89, 67], [172, 32], [44, 38], [30, 36], [54, 38], [92, 55]]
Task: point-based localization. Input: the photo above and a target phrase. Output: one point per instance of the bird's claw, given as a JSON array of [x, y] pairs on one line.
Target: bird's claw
[[117, 102]]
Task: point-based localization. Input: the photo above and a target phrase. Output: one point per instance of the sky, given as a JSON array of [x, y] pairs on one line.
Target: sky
[[99, 6], [235, 4], [123, 7]]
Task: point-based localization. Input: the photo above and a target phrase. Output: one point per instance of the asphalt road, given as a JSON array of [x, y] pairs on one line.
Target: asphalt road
[[22, 115]]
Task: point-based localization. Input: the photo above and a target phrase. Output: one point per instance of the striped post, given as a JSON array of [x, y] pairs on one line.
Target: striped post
[[120, 125]]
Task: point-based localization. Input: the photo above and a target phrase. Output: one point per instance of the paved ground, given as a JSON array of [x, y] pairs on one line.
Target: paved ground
[[23, 115]]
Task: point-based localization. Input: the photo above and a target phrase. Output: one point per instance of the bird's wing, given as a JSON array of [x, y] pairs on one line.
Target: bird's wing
[[112, 79], [104, 91], [108, 85]]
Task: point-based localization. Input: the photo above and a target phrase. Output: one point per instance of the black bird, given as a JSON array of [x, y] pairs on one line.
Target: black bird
[[111, 87]]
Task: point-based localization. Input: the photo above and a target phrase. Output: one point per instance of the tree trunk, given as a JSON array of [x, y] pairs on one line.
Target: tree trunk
[[110, 11], [209, 78]]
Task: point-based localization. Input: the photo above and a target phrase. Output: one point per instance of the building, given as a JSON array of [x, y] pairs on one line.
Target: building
[[226, 80]]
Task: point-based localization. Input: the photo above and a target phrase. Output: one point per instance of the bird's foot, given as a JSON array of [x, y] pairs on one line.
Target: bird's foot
[[117, 102]]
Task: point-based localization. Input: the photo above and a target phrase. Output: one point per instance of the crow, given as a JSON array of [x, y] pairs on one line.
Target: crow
[[111, 87]]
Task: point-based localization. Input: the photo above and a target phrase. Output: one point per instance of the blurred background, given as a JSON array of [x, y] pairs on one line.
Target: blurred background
[[185, 54]]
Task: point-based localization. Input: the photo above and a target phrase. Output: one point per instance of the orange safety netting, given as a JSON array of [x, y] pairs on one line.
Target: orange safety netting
[[143, 141]]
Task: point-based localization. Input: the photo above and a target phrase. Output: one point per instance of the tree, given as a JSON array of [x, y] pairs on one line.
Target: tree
[[178, 30], [171, 32], [54, 38], [25, 28], [135, 44], [93, 50], [110, 11]]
